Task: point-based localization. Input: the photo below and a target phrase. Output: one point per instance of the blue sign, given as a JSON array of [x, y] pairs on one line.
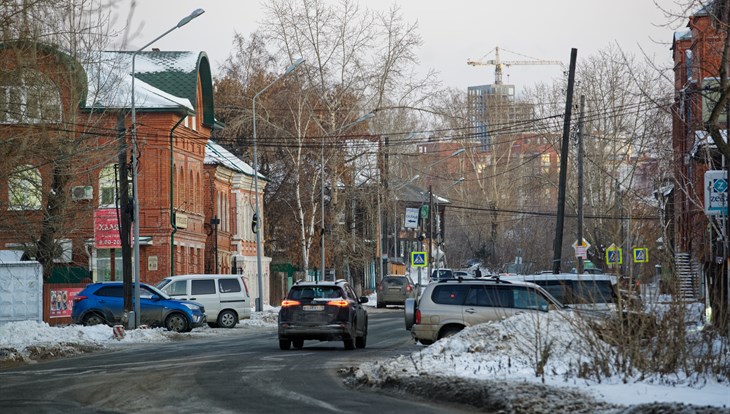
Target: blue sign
[[418, 259]]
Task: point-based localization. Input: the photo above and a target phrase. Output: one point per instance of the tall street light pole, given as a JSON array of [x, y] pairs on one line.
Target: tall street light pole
[[259, 277], [135, 193], [339, 130]]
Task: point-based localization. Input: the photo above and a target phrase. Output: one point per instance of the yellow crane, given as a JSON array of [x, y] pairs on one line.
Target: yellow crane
[[498, 64]]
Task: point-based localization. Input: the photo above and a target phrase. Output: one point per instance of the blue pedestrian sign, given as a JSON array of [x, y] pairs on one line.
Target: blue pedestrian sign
[[641, 255], [418, 259], [614, 255]]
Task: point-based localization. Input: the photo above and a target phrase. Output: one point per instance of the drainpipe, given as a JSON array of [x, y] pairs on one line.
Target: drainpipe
[[172, 196]]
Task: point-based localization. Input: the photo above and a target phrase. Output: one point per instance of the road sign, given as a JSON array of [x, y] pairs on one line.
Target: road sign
[[418, 259], [614, 255], [716, 192], [641, 255], [424, 211], [411, 218], [580, 252], [585, 244]]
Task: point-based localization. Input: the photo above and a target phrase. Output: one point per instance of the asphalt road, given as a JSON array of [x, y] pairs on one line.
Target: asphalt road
[[244, 373]]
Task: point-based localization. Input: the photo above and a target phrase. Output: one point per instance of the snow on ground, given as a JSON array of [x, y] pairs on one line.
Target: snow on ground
[[504, 352]]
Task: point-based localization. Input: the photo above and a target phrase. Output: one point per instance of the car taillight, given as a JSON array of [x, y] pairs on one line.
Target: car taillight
[[245, 286], [287, 303], [409, 288], [79, 298], [418, 316], [339, 303]]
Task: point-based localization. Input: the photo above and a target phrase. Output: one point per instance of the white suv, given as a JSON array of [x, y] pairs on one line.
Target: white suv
[[225, 297], [448, 306]]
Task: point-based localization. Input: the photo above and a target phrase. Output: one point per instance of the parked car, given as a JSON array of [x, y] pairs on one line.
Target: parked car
[[442, 274], [394, 290], [103, 303], [448, 306], [225, 297], [323, 311]]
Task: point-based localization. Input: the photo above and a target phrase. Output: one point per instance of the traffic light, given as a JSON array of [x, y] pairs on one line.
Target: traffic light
[[255, 223]]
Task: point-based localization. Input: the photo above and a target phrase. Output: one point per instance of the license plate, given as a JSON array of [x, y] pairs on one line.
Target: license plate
[[313, 307]]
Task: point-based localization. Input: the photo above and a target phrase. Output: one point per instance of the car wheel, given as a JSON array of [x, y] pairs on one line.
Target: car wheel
[[94, 319], [227, 319], [284, 344], [349, 343], [298, 343], [450, 331], [176, 322]]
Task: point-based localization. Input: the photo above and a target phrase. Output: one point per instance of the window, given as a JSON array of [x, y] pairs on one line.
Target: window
[[28, 96], [108, 186], [104, 267], [229, 285], [449, 294], [24, 188], [525, 298], [111, 291], [489, 296], [545, 163], [202, 287], [178, 288]]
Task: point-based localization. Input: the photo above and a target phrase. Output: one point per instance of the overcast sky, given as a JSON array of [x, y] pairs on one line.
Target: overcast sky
[[452, 31]]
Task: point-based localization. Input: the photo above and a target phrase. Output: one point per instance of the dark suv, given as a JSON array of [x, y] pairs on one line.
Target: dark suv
[[323, 311], [103, 303]]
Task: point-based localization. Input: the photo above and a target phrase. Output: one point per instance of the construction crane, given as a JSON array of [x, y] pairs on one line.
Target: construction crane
[[498, 64]]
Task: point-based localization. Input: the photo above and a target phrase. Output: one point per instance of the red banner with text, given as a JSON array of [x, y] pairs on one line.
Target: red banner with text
[[106, 229]]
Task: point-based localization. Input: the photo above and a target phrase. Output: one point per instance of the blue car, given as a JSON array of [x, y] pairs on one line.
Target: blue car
[[103, 303]]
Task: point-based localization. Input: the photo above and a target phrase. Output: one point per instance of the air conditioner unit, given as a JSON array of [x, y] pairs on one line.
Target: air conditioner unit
[[82, 193]]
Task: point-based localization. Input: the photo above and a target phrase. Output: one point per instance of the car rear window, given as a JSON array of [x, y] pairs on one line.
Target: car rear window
[[449, 294], [396, 281], [202, 287], [229, 285], [572, 292], [314, 292]]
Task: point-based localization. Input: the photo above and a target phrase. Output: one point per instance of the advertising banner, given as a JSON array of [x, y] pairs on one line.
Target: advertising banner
[[62, 300], [106, 229]]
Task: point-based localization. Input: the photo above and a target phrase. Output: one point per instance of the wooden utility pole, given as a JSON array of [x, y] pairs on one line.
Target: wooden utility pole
[[124, 213], [558, 242], [579, 267]]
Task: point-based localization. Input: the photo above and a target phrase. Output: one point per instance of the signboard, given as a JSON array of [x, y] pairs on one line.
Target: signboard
[[614, 255], [411, 218], [152, 263], [181, 220], [424, 211], [715, 192], [61, 302], [641, 255], [580, 252], [418, 259], [106, 229], [584, 244]]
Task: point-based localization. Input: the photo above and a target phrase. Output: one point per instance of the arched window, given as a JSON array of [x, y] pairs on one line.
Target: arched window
[[28, 96], [108, 186], [25, 188]]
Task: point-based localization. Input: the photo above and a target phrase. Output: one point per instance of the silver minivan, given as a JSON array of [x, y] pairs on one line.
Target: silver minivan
[[225, 297]]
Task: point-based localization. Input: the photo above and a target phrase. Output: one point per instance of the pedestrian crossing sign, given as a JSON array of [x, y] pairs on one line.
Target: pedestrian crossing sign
[[614, 255], [641, 255], [418, 259]]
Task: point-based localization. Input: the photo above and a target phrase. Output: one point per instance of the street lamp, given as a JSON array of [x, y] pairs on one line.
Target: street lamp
[[260, 298], [135, 197], [341, 129]]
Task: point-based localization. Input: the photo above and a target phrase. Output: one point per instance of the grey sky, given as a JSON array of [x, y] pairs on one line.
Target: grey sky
[[452, 31]]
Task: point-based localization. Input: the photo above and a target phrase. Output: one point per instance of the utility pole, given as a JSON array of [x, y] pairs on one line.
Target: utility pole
[[430, 228], [124, 214], [558, 243], [579, 268]]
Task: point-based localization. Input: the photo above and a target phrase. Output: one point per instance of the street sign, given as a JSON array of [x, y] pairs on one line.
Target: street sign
[[580, 252], [715, 192], [424, 211], [411, 218], [614, 255], [418, 259], [585, 244], [641, 255]]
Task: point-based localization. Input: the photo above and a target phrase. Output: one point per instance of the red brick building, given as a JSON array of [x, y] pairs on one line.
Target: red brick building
[[194, 204]]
